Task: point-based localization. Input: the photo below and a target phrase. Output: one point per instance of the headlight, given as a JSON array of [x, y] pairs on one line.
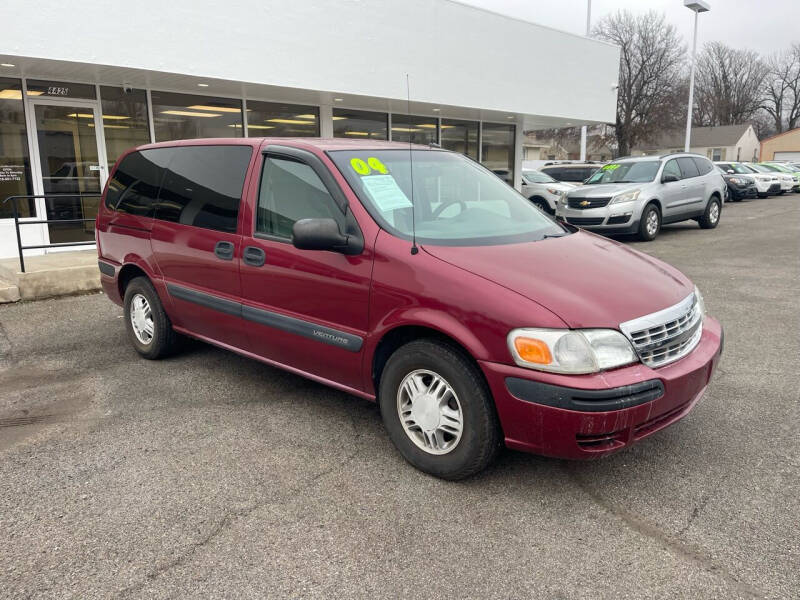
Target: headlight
[[625, 197], [554, 191], [738, 181], [570, 351], [701, 305]]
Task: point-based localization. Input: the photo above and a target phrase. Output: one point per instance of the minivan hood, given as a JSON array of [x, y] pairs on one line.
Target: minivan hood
[[585, 279], [603, 189]]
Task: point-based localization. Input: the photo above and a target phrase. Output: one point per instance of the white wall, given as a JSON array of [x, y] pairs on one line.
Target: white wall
[[454, 54]]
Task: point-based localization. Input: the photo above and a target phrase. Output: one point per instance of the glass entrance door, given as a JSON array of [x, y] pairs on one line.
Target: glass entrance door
[[70, 163]]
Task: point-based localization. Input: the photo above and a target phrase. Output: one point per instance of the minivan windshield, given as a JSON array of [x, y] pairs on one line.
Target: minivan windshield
[[537, 177], [456, 201], [639, 171]]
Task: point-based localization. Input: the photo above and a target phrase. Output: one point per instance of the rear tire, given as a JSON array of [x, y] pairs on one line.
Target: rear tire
[[650, 223], [148, 326], [419, 418], [710, 218]]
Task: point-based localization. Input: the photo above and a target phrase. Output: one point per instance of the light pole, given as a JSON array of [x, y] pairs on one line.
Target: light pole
[[588, 31], [697, 6]]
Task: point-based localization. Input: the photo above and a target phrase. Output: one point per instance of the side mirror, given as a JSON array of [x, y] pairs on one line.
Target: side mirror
[[669, 177], [320, 234], [730, 171]]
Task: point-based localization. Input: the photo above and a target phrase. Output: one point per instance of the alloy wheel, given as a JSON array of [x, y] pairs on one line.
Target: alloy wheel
[[430, 412]]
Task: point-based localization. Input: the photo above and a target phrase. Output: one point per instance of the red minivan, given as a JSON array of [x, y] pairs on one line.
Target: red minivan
[[411, 276]]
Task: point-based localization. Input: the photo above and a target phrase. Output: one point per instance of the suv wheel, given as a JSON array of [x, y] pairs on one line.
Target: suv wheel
[[710, 218], [149, 327], [438, 411], [542, 204], [650, 223]]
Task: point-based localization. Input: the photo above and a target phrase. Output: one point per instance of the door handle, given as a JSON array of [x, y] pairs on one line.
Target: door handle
[[224, 250], [254, 256]]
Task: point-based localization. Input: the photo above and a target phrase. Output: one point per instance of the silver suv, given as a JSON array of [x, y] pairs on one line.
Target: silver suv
[[638, 195]]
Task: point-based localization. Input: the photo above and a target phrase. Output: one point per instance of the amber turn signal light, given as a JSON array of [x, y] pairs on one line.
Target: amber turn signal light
[[533, 351]]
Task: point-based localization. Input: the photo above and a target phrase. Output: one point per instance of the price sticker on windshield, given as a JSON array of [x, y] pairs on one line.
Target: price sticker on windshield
[[368, 167], [610, 167]]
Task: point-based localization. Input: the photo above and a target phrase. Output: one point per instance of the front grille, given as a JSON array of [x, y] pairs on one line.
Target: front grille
[[600, 441], [665, 336], [585, 220], [584, 203]]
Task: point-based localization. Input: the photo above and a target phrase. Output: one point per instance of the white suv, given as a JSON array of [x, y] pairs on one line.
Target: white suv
[[543, 190]]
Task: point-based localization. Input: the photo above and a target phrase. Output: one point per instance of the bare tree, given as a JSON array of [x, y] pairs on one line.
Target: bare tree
[[652, 55], [782, 89], [729, 85]]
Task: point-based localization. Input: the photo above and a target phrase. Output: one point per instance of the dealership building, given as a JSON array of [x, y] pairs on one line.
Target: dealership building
[[80, 86]]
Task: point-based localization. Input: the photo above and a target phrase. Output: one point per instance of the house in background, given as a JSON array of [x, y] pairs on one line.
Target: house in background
[[783, 146], [725, 142]]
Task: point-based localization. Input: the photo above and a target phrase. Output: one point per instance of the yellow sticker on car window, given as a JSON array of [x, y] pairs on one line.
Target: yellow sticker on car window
[[610, 167], [377, 165], [359, 166]]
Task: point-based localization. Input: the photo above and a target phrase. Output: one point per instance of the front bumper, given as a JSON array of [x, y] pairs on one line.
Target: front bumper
[[738, 193], [614, 218], [588, 416]]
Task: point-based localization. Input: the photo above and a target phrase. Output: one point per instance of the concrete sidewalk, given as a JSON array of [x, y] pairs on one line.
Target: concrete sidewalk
[[54, 274]]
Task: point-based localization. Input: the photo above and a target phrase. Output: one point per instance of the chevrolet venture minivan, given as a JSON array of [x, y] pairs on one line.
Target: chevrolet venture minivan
[[413, 277]]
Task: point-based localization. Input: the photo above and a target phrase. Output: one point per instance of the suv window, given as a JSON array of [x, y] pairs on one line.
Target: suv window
[[134, 187], [703, 165], [672, 168], [291, 190], [203, 186], [688, 167]]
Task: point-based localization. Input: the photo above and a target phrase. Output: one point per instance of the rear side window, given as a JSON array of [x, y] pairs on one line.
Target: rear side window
[[291, 190], [703, 165], [557, 174], [688, 167], [203, 186], [134, 187]]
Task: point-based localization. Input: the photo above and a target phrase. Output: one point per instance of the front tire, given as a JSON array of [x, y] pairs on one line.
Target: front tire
[[650, 223], [438, 411], [148, 326], [710, 218], [542, 205]]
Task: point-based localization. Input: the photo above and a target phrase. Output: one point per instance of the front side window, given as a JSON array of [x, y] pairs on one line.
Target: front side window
[[640, 171], [203, 186], [672, 168], [134, 187], [291, 190], [453, 200]]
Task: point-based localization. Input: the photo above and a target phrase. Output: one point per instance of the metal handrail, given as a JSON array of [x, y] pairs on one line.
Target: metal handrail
[[17, 223]]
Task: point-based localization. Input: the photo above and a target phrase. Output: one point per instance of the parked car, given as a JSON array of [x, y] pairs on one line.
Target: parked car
[[638, 195], [543, 190], [785, 180], [471, 317], [739, 187], [767, 183], [576, 172], [786, 170]]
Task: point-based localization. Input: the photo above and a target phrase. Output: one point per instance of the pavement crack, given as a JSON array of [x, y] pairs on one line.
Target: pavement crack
[[695, 513], [671, 543]]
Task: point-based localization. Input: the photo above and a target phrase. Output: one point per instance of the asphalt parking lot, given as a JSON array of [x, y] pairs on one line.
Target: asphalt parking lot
[[216, 476]]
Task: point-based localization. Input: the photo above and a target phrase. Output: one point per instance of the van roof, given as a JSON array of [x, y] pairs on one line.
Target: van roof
[[323, 144]]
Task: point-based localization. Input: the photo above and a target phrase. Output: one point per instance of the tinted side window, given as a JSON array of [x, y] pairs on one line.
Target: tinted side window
[[688, 167], [290, 191], [703, 165], [554, 173], [134, 187], [671, 168], [587, 172], [203, 186]]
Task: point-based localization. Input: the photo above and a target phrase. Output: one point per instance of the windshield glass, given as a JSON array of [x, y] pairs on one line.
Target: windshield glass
[[736, 168], [537, 177], [626, 172], [455, 200], [760, 169]]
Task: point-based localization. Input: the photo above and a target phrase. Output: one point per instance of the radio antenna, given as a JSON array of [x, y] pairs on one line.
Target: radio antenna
[[414, 248]]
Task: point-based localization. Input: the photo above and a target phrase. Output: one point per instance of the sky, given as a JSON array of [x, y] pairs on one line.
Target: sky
[[762, 25]]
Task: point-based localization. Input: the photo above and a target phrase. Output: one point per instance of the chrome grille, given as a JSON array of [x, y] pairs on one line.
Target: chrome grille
[[667, 335], [582, 202]]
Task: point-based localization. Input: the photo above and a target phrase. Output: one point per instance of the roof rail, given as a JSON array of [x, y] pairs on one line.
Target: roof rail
[[681, 152]]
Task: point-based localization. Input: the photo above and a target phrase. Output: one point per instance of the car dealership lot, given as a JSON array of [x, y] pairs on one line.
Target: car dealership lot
[[211, 474]]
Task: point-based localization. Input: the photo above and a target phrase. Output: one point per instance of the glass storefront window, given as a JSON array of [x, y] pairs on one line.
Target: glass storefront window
[[418, 130], [497, 150], [15, 165], [186, 116], [460, 136], [360, 124], [124, 120], [60, 89], [281, 120]]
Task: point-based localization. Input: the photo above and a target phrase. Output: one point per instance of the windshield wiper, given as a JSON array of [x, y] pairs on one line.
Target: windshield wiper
[[554, 235]]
